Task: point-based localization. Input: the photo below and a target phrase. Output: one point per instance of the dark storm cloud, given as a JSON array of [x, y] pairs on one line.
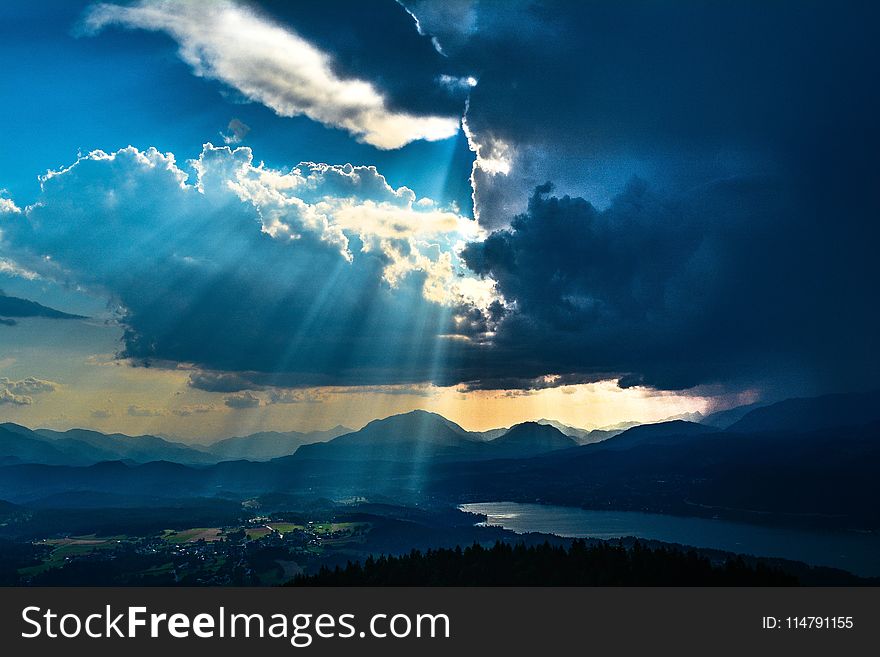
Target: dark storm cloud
[[536, 383], [245, 399], [714, 219], [378, 42], [220, 381], [589, 94], [740, 280]]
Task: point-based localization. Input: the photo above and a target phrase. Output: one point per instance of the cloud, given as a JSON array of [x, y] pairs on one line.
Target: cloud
[[19, 392], [543, 382], [317, 275], [398, 390], [28, 386], [293, 397], [193, 409], [142, 411], [7, 206], [236, 131], [10, 268], [219, 381], [611, 99], [728, 283], [7, 397], [271, 64], [246, 399]]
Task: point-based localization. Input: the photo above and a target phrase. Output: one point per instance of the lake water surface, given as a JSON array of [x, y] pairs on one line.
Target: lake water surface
[[856, 552]]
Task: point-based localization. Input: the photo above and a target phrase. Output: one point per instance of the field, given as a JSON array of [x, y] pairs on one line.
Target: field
[[193, 535], [63, 549]]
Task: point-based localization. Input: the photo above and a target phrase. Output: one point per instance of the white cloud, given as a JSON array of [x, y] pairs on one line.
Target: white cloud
[[330, 203], [10, 268], [240, 267], [274, 66], [336, 202], [6, 205], [9, 398], [18, 393]]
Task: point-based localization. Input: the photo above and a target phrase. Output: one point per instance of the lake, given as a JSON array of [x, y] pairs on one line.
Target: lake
[[856, 552]]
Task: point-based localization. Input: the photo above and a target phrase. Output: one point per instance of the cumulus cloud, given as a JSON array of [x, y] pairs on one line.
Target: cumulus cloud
[[6, 205], [272, 65], [143, 411], [7, 397], [246, 399], [19, 392], [722, 284], [254, 270], [193, 409]]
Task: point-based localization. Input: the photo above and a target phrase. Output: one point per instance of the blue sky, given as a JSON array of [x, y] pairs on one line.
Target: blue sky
[[279, 215], [66, 93]]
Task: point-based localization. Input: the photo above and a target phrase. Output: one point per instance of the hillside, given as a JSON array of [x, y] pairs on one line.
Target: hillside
[[529, 439], [417, 435], [654, 434], [267, 445], [805, 414]]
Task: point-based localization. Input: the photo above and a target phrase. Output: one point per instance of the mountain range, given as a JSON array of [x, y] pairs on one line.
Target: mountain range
[[807, 461], [79, 447], [422, 435]]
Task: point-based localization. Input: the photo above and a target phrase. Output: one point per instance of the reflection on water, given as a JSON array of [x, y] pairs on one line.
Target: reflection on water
[[857, 552]]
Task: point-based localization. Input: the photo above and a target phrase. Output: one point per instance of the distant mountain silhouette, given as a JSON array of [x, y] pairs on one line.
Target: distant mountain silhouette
[[267, 445], [16, 307], [723, 419], [117, 446], [17, 446], [806, 414], [421, 436], [828, 477], [490, 434], [654, 434], [529, 439], [85, 447], [582, 436], [416, 435]]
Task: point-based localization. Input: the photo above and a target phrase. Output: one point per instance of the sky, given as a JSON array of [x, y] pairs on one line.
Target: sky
[[218, 218]]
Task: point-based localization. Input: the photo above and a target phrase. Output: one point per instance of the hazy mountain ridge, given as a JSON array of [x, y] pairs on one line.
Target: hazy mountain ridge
[[828, 476], [582, 436], [421, 435], [83, 447], [20, 308], [267, 445], [808, 413]]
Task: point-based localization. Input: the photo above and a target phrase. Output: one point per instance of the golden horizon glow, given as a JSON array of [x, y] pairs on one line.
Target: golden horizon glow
[[111, 396]]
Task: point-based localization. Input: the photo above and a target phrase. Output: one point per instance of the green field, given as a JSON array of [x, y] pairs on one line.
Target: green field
[[193, 535], [74, 546], [284, 527]]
